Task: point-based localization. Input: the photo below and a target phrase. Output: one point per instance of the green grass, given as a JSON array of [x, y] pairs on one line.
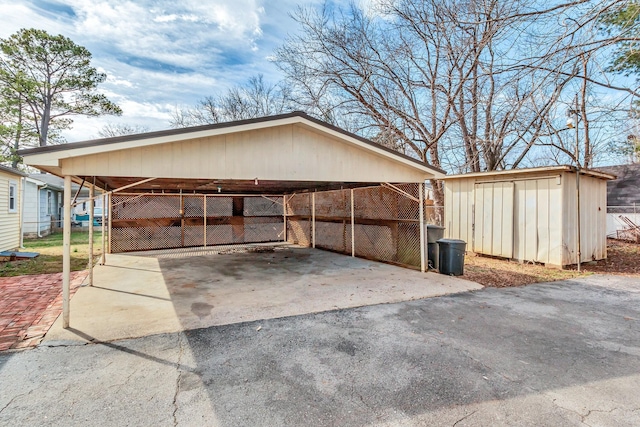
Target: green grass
[[50, 258]]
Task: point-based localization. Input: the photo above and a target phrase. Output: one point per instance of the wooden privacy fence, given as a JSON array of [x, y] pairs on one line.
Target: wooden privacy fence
[[379, 223]]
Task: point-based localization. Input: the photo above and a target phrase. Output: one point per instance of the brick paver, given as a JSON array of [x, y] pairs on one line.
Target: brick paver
[[29, 305]]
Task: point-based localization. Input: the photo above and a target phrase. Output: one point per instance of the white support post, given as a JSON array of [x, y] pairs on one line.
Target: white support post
[[109, 218], [204, 218], [284, 217], [103, 257], [422, 236], [353, 227], [313, 220], [91, 204], [66, 252]]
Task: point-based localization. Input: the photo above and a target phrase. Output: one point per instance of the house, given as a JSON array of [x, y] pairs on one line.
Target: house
[[11, 185], [43, 204], [623, 198]]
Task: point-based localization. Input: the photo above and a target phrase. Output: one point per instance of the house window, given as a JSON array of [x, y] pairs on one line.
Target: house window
[[49, 203], [13, 197]]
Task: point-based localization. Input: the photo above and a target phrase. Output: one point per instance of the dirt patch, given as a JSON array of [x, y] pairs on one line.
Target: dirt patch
[[500, 273], [623, 258]]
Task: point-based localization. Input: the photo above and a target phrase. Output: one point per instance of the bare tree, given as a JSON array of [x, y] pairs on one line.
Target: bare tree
[[254, 99], [111, 130], [468, 86]]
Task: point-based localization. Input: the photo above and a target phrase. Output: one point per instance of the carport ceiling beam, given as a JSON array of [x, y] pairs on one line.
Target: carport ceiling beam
[[397, 190], [274, 201], [132, 185]]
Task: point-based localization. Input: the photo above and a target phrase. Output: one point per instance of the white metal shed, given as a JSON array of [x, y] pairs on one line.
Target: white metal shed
[[530, 214]]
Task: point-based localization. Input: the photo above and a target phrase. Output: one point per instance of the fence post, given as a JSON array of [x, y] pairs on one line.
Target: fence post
[[313, 220], [353, 227], [66, 252], [421, 217], [110, 219], [91, 204], [284, 216], [103, 257], [204, 219]]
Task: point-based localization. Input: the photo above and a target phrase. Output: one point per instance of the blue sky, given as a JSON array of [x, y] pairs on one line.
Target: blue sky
[[162, 54]]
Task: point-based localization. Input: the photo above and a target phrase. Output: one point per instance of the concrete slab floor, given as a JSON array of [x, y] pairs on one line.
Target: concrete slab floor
[[136, 296]]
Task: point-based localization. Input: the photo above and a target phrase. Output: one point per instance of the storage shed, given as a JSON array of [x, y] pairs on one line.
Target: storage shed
[[530, 214]]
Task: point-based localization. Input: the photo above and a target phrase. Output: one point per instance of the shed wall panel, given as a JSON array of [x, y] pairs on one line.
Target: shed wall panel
[[494, 219]]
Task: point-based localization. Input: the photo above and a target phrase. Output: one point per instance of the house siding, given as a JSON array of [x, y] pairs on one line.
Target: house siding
[[30, 221], [9, 221]]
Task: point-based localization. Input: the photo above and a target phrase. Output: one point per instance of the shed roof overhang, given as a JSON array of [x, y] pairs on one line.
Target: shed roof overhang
[[277, 154], [524, 173]]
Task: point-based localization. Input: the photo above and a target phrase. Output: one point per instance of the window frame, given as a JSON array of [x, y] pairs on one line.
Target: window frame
[[49, 202], [13, 185]]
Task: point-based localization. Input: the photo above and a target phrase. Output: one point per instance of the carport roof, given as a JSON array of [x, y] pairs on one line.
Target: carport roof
[[288, 152]]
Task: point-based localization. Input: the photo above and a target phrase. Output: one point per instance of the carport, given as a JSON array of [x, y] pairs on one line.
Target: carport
[[288, 178]]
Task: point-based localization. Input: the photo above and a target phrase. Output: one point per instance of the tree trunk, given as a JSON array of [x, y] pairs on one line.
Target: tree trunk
[[16, 141]]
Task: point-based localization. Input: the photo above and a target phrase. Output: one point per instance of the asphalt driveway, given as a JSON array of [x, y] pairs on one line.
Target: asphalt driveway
[[564, 353]]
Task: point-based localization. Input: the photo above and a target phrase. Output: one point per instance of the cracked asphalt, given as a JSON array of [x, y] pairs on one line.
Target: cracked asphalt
[[563, 353]]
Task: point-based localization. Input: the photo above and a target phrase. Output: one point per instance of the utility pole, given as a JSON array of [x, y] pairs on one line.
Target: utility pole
[[573, 122]]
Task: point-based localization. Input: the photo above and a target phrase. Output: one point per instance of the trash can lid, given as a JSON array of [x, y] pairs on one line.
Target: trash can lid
[[435, 226], [450, 241]]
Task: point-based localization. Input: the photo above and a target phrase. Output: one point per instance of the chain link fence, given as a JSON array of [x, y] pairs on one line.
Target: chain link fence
[[623, 222], [162, 221], [380, 223]]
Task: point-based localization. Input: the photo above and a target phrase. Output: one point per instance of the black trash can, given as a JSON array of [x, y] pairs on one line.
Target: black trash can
[[451, 259], [434, 233]]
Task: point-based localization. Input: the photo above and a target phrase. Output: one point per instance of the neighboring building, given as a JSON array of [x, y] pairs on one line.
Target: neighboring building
[[43, 204], [529, 214], [624, 191], [623, 198], [11, 181]]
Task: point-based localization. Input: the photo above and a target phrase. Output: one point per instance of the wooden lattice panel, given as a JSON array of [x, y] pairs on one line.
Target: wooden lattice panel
[[145, 238], [219, 235], [219, 206], [335, 236], [299, 232], [263, 206], [375, 242], [193, 206], [153, 206]]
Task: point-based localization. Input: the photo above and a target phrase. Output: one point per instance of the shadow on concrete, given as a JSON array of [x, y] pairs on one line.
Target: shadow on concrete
[[138, 294], [367, 365], [127, 350]]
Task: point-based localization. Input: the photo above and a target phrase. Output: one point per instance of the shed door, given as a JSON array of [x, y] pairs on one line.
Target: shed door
[[493, 219]]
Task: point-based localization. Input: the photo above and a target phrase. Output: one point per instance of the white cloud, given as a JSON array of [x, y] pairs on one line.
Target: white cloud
[[183, 34], [159, 54]]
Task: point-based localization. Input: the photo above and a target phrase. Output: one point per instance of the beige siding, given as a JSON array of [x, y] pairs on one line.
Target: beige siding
[[593, 214], [284, 153], [458, 214], [493, 219], [9, 221], [544, 216]]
